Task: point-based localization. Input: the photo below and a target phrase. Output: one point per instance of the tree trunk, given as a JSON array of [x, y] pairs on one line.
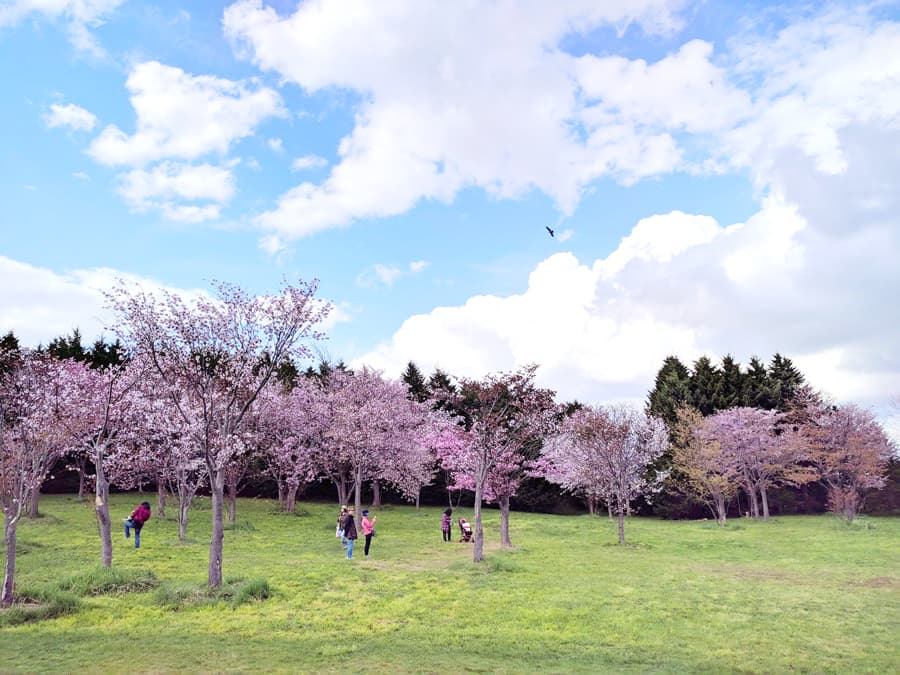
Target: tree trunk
[[504, 523], [33, 503], [592, 505], [376, 494], [9, 537], [754, 502], [357, 495], [184, 507], [343, 491], [418, 497], [765, 502], [160, 499], [478, 553], [621, 524], [82, 469], [101, 508], [217, 488], [609, 510], [282, 495], [290, 500], [232, 502], [721, 512]]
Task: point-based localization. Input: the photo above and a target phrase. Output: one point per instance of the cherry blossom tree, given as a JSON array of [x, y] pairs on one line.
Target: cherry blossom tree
[[851, 451], [701, 465], [762, 448], [104, 413], [288, 428], [213, 357], [31, 440], [508, 413], [605, 452]]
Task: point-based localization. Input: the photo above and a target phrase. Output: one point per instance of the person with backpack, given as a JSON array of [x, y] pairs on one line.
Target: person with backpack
[[136, 522]]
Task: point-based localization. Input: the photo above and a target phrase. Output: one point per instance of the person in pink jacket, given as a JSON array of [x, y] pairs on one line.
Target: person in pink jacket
[[368, 527]]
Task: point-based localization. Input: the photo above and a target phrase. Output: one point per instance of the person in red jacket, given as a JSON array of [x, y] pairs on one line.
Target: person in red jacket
[[136, 522]]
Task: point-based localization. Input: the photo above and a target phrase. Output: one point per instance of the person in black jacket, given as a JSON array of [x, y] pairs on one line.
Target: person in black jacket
[[350, 532]]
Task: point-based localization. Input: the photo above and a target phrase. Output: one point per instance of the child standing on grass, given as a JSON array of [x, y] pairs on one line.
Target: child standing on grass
[[350, 532], [446, 523], [136, 521], [368, 529]]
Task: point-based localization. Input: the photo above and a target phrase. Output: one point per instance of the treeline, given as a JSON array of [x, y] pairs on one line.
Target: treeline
[[704, 386]]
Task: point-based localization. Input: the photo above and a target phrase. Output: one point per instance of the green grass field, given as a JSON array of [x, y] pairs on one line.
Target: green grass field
[[797, 593]]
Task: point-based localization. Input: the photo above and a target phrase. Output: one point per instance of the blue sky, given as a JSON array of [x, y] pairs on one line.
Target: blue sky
[[719, 176]]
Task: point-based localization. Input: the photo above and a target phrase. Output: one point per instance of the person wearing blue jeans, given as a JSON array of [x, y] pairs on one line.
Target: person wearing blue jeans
[[136, 522], [350, 532]]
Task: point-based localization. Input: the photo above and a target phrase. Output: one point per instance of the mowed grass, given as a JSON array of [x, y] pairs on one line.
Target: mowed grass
[[797, 593]]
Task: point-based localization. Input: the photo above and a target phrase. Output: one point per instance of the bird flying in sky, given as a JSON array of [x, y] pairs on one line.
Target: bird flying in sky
[[550, 231]]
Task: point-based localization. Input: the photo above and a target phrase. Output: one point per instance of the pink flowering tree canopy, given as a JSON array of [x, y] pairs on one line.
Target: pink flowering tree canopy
[[212, 358], [605, 451]]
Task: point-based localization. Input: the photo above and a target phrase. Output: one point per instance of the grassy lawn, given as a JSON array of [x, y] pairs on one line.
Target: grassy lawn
[[797, 593]]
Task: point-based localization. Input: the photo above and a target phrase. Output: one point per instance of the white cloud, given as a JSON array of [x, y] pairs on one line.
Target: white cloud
[[418, 266], [44, 304], [451, 98], [71, 116], [565, 235], [81, 175], [169, 184], [183, 116], [680, 284], [78, 15], [275, 144], [308, 162]]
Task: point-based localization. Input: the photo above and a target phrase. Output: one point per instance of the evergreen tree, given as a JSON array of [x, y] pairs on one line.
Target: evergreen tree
[[731, 384], [9, 352], [705, 384], [415, 383], [68, 347], [785, 380], [103, 354], [671, 390], [758, 392]]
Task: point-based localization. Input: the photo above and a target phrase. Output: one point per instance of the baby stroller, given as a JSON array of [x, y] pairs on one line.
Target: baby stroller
[[466, 530]]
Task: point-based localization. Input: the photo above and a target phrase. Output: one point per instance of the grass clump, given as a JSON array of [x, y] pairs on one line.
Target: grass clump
[[234, 592], [38, 605], [109, 581]]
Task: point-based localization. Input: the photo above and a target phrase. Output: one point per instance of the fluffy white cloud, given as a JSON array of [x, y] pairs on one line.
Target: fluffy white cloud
[[681, 284], [43, 304], [183, 116], [275, 144], [168, 184], [78, 15], [71, 116], [451, 97], [813, 274]]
